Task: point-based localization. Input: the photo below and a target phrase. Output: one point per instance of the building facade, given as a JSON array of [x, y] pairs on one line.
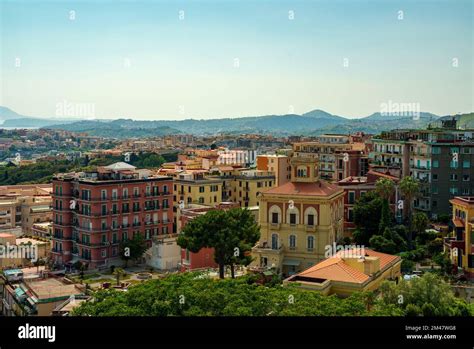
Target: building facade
[[298, 219], [94, 212], [460, 243]]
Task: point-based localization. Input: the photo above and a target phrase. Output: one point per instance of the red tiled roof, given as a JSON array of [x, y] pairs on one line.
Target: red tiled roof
[[320, 188], [336, 269]]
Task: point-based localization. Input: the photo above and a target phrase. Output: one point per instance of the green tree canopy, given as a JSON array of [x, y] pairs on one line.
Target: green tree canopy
[[226, 231]]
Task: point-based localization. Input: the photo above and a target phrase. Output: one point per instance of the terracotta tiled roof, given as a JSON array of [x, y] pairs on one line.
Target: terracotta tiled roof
[[336, 269], [320, 188], [384, 257]]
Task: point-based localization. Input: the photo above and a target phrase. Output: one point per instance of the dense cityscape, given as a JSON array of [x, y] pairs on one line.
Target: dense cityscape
[[345, 216], [236, 172]]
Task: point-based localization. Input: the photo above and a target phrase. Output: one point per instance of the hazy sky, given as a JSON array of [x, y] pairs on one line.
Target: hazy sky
[[142, 59]]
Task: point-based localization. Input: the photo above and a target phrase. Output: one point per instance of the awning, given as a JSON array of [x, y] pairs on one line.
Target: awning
[[458, 223], [292, 262]]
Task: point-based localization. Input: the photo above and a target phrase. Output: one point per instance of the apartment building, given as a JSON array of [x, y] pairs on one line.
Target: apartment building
[[460, 243], [247, 185], [440, 159], [338, 156], [356, 187], [23, 205], [195, 187], [298, 219], [278, 164], [94, 212]]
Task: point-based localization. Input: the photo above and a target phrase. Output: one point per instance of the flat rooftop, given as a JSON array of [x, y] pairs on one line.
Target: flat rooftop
[[52, 288]]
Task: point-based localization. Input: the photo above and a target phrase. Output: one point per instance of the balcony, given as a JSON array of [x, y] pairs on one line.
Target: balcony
[[264, 247]]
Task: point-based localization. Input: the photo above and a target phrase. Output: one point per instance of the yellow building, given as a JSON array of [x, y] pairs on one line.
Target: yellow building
[[195, 188], [349, 271], [459, 244], [299, 219], [247, 185]]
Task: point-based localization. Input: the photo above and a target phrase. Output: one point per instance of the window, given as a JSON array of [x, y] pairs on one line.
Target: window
[[351, 197], [436, 150], [103, 194], [350, 215], [136, 192], [201, 189], [465, 178], [114, 194], [453, 190], [435, 176], [275, 217], [435, 163], [104, 253], [201, 200], [125, 193], [466, 164], [292, 218], [453, 177], [453, 164], [311, 219], [310, 243], [465, 191], [434, 190], [275, 242], [104, 210], [292, 242], [466, 150]]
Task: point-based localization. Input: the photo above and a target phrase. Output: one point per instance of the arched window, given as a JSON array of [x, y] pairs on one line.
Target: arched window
[[301, 171], [274, 214], [293, 216], [311, 216]]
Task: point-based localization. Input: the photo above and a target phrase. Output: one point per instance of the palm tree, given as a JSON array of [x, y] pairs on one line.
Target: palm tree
[[409, 188], [385, 188], [118, 272]]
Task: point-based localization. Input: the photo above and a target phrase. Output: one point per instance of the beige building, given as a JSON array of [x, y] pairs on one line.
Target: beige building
[[278, 164], [298, 219], [329, 149], [24, 205]]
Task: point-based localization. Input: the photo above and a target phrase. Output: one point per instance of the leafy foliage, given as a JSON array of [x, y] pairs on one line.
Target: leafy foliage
[[228, 232], [428, 296], [195, 294]]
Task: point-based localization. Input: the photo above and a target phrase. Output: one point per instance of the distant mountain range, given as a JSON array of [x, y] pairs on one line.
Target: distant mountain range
[[312, 123], [10, 118]]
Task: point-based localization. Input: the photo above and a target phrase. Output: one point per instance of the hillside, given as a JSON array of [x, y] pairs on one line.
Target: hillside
[[311, 123]]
